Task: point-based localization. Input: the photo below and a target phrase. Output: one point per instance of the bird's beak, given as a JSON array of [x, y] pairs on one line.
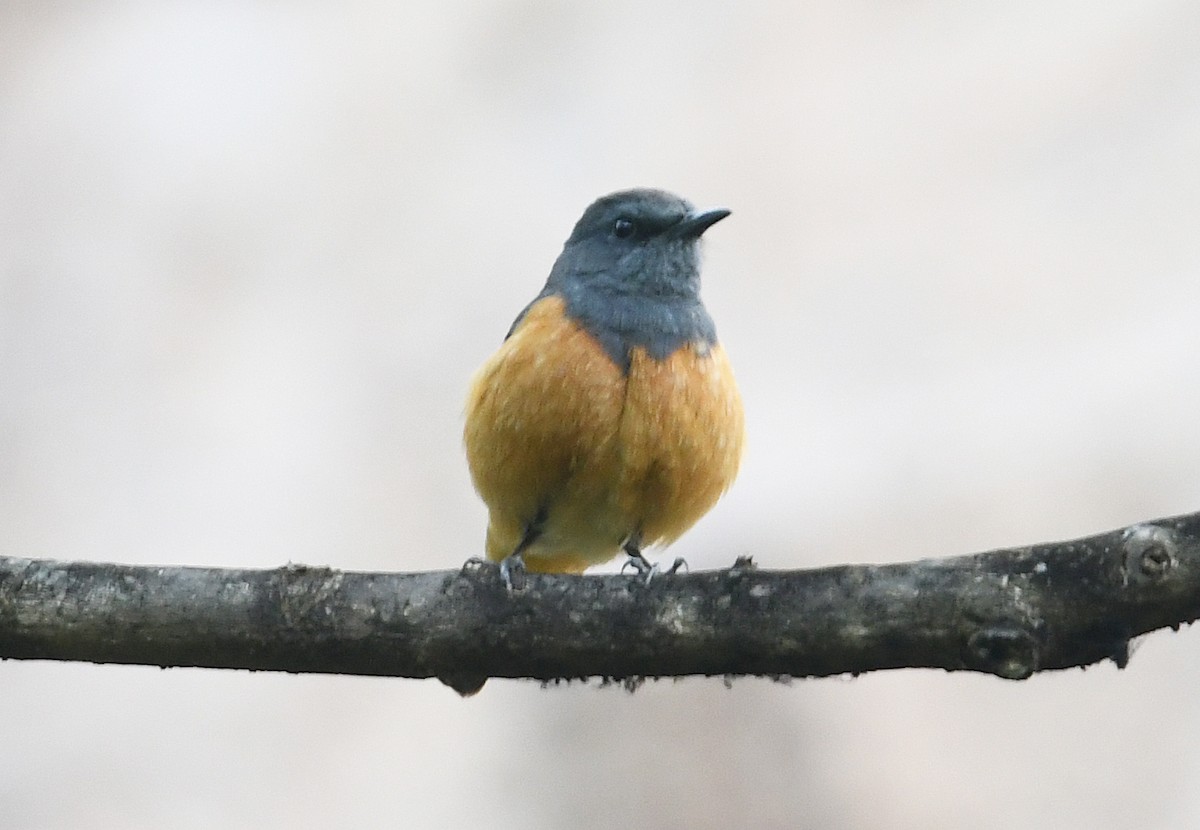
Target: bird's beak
[[697, 222]]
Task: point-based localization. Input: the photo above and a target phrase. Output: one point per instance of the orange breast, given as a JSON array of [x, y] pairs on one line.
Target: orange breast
[[555, 431], [681, 438]]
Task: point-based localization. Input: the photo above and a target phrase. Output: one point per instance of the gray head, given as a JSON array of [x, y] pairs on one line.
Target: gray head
[[630, 273]]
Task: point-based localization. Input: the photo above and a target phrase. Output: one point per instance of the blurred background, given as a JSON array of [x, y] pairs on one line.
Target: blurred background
[[251, 253]]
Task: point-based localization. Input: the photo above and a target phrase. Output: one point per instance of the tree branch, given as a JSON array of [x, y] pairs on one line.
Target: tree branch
[[1007, 612]]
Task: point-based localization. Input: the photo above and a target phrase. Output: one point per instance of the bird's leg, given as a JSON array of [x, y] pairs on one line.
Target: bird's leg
[[636, 560], [644, 567], [513, 565]]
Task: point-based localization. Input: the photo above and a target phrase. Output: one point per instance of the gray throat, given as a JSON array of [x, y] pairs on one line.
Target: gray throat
[[622, 322]]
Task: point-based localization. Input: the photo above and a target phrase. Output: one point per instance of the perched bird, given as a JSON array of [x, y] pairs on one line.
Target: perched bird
[[609, 419]]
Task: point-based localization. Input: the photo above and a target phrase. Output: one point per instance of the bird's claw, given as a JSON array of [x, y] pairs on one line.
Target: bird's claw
[[512, 572], [649, 570], [640, 564]]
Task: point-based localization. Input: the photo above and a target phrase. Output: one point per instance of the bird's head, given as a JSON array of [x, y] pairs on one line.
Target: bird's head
[[636, 242]]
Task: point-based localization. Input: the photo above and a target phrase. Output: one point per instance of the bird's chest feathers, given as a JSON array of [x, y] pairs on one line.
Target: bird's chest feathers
[[567, 393]]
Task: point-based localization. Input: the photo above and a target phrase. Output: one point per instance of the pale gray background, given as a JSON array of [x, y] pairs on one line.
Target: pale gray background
[[252, 252]]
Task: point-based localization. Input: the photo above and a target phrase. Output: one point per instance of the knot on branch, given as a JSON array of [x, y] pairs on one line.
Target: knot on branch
[[1151, 551], [1007, 651]]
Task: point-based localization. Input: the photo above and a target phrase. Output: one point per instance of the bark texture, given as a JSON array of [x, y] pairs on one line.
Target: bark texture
[[1007, 612]]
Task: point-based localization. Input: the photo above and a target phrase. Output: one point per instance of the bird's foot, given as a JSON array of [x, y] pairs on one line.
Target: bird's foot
[[679, 562], [646, 568], [640, 564], [512, 571]]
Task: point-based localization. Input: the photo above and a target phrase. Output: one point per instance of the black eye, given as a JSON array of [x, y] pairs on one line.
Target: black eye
[[624, 228]]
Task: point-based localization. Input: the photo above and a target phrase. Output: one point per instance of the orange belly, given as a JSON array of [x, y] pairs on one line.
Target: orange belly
[[556, 431]]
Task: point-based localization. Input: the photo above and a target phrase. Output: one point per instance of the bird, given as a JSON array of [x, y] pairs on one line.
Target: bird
[[609, 419]]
